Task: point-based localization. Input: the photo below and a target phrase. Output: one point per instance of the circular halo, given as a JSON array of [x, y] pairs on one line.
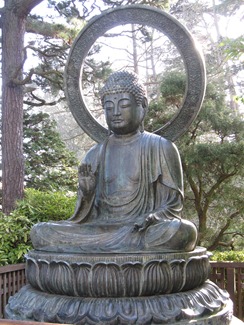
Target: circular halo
[[155, 18]]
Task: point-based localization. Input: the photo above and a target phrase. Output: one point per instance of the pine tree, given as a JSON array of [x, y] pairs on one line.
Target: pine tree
[[48, 164], [212, 153]]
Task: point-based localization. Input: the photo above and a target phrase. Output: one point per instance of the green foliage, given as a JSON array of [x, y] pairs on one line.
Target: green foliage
[[14, 239], [44, 206], [212, 153], [173, 87], [234, 51], [224, 158], [239, 99], [234, 48], [37, 206], [48, 164], [216, 117], [234, 256], [163, 109], [158, 115], [68, 8]]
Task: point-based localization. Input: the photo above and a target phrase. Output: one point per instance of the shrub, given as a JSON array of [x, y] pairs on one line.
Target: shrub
[[45, 206], [37, 206], [14, 238], [234, 256]]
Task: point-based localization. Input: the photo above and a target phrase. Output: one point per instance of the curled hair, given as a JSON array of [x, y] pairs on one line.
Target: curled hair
[[124, 82]]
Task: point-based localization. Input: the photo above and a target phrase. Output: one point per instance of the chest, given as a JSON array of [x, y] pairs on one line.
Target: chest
[[122, 163]]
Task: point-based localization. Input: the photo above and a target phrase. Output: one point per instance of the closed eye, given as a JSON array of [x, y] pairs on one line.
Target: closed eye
[[108, 105], [124, 103]]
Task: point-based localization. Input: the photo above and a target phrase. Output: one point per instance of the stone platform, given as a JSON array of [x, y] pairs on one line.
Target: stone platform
[[117, 275], [117, 289], [204, 305]]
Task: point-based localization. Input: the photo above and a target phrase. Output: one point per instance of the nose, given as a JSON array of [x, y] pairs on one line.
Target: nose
[[116, 109]]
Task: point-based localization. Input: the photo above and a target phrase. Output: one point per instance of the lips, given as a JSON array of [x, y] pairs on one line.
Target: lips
[[117, 121]]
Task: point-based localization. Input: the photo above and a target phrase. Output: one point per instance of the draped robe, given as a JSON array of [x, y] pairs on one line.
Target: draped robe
[[136, 176]]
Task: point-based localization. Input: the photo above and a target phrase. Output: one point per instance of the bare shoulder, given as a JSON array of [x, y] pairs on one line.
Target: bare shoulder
[[93, 154]]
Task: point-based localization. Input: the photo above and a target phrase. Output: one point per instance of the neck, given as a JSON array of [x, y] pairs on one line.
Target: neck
[[128, 135]]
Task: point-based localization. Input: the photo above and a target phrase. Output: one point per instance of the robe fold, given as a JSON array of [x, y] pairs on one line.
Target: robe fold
[[105, 221]]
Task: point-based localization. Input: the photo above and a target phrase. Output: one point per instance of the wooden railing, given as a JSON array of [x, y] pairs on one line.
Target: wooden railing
[[12, 278], [230, 276], [227, 275]]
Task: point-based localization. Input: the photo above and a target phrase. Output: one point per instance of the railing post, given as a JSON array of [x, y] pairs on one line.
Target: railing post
[[230, 276], [12, 278]]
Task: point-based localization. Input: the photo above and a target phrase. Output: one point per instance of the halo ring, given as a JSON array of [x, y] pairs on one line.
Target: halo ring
[[155, 18]]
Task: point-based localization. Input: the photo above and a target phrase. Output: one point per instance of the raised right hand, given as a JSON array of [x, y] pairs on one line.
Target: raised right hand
[[87, 179]]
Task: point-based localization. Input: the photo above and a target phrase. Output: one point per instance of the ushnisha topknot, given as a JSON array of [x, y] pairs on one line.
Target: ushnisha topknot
[[124, 82]]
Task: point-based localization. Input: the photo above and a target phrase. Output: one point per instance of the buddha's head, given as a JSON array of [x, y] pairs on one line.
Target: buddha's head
[[124, 101]]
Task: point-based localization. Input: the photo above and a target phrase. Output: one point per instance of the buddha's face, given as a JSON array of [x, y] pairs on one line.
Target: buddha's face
[[123, 114]]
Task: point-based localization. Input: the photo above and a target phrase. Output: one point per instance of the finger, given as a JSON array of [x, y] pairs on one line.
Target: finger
[[89, 169], [80, 170], [86, 170], [83, 169]]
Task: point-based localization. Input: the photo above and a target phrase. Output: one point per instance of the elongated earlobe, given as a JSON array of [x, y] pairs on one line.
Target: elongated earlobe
[[145, 104], [141, 127]]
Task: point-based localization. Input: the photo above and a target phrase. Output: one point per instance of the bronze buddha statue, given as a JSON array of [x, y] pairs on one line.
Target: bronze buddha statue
[[130, 194]]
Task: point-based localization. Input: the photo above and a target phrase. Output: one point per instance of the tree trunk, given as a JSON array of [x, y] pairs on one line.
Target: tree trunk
[[12, 110], [13, 30], [202, 217], [135, 56]]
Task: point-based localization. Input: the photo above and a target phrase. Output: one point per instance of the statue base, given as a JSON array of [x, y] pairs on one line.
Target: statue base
[[117, 275], [206, 305], [117, 289]]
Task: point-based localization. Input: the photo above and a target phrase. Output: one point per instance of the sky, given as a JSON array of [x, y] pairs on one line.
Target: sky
[[229, 27]]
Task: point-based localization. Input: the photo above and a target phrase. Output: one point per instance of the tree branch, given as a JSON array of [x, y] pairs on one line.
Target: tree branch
[[73, 137], [42, 102], [235, 233], [14, 80], [49, 30], [47, 75], [193, 187], [23, 8], [45, 52], [26, 80], [217, 239], [212, 190]]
